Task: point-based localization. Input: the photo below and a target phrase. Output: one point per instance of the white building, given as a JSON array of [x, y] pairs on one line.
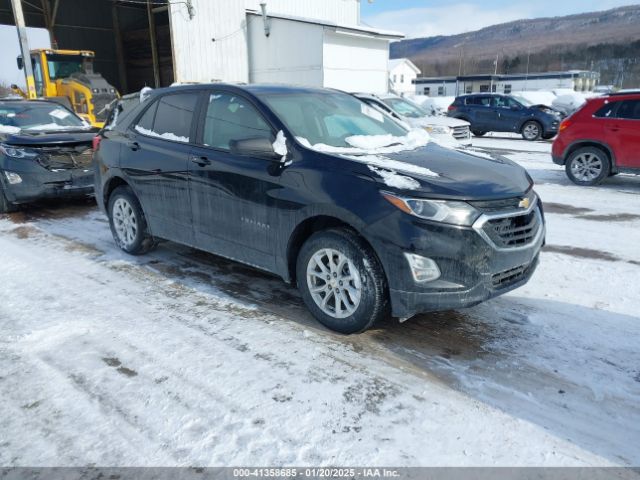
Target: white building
[[309, 42], [577, 80], [402, 73]]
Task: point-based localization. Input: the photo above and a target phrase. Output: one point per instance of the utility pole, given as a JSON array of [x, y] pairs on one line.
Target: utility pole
[[526, 77], [18, 15]]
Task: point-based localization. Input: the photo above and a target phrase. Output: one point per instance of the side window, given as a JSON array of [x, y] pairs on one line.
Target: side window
[[146, 121], [170, 117], [606, 111], [500, 102], [629, 109], [230, 117]]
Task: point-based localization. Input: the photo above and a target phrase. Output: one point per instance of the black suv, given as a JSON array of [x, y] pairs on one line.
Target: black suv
[[502, 113], [322, 190]]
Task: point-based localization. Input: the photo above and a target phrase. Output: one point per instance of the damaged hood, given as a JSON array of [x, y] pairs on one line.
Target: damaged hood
[[35, 139], [434, 171]]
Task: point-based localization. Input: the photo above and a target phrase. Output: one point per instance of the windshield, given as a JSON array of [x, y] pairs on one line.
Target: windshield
[[522, 101], [405, 108], [330, 118], [62, 66], [38, 116]]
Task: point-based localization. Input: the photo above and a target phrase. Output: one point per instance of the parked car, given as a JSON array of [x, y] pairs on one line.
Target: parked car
[[490, 112], [45, 152], [601, 139], [363, 215], [447, 131]]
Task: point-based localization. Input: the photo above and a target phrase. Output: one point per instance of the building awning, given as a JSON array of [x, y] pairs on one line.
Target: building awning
[[338, 28]]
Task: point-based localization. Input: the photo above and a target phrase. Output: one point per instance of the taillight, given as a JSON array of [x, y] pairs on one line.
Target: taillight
[[564, 124], [96, 143], [452, 108]]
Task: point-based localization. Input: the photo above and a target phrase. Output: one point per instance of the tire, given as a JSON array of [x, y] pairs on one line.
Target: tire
[[548, 136], [128, 224], [531, 131], [352, 314], [588, 166], [478, 133], [5, 205]]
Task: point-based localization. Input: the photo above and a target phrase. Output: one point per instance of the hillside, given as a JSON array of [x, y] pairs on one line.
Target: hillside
[[607, 41]]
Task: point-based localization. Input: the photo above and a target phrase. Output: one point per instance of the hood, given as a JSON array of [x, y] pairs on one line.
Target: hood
[[436, 120], [435, 171], [36, 139]]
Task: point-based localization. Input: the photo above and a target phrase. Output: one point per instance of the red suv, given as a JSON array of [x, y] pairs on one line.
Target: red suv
[[601, 139]]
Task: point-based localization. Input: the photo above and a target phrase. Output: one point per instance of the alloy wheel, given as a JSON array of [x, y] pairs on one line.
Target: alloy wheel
[[334, 283], [125, 222], [531, 131], [586, 167]]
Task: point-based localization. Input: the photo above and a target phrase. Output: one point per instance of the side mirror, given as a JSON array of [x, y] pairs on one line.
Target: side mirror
[[20, 62], [260, 147]]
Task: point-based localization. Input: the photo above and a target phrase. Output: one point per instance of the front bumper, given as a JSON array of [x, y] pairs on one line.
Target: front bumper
[[473, 268], [40, 183]]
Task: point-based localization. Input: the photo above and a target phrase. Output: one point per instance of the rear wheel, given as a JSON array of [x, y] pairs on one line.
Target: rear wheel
[[128, 224], [531, 131], [5, 205], [341, 281], [478, 133], [588, 166]]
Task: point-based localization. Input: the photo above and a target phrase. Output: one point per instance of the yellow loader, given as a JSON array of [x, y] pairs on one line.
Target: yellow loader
[[67, 76]]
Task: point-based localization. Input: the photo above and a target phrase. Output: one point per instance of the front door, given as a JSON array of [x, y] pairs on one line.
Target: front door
[[508, 114], [233, 196], [156, 161]]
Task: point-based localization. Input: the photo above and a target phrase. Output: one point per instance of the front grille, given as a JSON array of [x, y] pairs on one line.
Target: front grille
[[461, 133], [66, 159], [516, 231], [509, 277], [506, 205]]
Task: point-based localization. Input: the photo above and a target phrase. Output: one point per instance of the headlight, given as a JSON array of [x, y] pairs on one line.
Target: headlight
[[13, 178], [444, 211], [17, 152], [438, 129]]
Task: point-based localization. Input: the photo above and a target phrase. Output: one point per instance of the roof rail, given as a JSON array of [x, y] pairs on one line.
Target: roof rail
[[625, 92]]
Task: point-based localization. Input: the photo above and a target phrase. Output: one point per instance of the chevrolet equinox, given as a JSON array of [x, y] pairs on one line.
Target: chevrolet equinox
[[366, 217]]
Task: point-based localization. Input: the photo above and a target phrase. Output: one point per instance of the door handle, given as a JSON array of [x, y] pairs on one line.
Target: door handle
[[135, 146], [201, 161]]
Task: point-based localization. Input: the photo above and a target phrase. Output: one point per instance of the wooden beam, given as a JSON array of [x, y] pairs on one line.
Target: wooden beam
[[154, 44]]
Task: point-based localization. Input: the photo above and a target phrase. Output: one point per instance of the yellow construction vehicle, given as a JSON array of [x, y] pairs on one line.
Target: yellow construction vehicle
[[67, 76]]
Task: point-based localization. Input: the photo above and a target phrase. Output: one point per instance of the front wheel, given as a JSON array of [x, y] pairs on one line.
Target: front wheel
[[478, 133], [128, 224], [588, 166], [341, 281], [531, 131]]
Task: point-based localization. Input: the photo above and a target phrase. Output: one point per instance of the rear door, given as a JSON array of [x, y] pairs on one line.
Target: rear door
[[233, 195], [484, 115], [623, 133], [156, 159]]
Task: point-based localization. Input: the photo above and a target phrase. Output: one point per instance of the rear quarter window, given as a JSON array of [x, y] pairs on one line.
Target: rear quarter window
[[170, 117], [606, 111]]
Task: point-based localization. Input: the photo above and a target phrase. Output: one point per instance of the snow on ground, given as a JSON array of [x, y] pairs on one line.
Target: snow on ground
[[181, 358]]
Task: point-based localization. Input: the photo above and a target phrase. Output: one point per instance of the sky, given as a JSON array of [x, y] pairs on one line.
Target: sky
[[424, 18], [9, 73]]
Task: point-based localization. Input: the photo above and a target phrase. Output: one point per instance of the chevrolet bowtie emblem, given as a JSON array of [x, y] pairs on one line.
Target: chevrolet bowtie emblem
[[524, 203]]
